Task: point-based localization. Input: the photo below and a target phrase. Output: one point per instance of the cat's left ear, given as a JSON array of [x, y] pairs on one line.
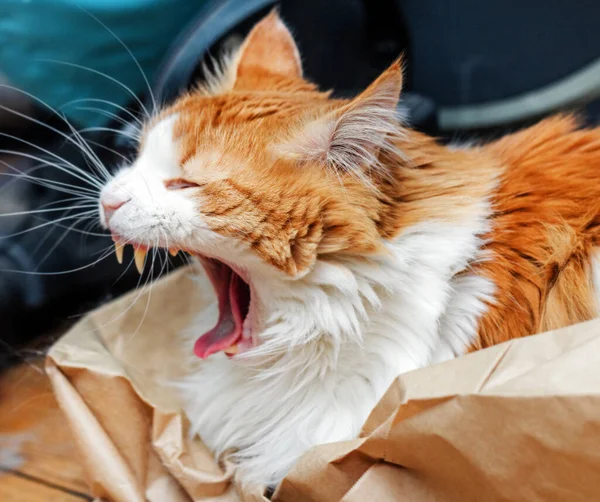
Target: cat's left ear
[[351, 137], [269, 48]]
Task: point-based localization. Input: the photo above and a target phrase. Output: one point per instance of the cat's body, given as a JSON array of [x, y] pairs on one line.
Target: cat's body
[[369, 250]]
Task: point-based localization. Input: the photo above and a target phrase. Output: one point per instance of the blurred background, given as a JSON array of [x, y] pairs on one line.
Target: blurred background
[[78, 77]]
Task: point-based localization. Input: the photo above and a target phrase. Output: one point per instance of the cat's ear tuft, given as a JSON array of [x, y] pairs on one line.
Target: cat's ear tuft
[[351, 137], [269, 47]]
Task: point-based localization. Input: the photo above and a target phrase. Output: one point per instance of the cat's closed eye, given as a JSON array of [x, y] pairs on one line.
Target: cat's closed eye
[[180, 184]]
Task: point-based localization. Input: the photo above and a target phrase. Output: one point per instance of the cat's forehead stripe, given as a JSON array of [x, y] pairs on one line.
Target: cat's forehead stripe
[[239, 119]]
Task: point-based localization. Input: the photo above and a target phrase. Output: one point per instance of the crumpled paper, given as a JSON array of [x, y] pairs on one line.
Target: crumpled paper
[[515, 422]]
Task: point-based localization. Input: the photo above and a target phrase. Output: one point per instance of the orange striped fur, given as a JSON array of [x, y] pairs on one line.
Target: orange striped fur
[[543, 185], [546, 228]]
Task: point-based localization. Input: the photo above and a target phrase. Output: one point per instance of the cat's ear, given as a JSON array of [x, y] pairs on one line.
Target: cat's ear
[[269, 47], [351, 137]]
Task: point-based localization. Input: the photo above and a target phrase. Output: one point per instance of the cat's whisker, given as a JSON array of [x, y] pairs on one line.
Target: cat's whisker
[[102, 74], [130, 135], [42, 242], [62, 272], [135, 60], [31, 169], [137, 288], [76, 218], [86, 232], [167, 249], [40, 211], [20, 174], [90, 156], [79, 173], [39, 122], [86, 149], [92, 223], [106, 102], [42, 182], [68, 199], [105, 113], [80, 217], [68, 230], [54, 185], [79, 142], [18, 90], [150, 280], [108, 149], [125, 271], [45, 224], [108, 248]]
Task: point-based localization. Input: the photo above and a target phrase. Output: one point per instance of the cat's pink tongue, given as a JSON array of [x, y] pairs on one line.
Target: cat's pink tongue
[[232, 295]]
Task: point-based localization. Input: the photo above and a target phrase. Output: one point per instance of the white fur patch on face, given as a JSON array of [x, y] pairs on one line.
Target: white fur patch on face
[[150, 214]]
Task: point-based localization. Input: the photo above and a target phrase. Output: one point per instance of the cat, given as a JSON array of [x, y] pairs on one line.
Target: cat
[[345, 248]]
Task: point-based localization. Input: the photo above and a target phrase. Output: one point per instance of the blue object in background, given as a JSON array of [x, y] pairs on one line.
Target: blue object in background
[[33, 32]]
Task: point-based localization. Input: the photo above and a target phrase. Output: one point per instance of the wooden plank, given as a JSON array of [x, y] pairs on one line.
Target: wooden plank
[[35, 440], [15, 488]]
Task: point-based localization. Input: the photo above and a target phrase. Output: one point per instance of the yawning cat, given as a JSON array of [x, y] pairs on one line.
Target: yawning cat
[[345, 248]]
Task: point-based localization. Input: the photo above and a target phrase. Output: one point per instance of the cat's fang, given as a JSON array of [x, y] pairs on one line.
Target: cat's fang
[[173, 251], [232, 351], [119, 252], [139, 256]]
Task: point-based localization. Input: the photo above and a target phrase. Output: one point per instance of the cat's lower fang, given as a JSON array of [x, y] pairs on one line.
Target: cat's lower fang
[[232, 351], [119, 252], [139, 256]]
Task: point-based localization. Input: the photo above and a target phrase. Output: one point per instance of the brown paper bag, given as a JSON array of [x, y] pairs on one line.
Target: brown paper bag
[[516, 422]]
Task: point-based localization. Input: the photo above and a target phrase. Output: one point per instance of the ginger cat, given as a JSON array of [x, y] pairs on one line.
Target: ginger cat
[[345, 248]]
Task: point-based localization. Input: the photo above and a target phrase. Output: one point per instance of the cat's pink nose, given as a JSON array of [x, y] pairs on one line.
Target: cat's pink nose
[[111, 201]]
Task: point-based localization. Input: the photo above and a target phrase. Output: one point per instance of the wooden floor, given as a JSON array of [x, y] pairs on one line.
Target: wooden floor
[[38, 459]]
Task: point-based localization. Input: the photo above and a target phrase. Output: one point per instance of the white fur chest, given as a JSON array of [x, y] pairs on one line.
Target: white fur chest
[[331, 346]]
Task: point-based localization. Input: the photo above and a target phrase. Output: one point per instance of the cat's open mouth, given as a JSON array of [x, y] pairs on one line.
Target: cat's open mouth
[[233, 295]]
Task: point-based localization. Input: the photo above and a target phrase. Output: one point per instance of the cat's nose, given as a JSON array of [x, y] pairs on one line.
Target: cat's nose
[[111, 201]]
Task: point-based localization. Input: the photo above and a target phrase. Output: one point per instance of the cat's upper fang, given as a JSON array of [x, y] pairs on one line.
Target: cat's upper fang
[[139, 256]]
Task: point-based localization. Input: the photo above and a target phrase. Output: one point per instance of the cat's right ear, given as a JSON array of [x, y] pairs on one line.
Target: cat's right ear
[[269, 48], [350, 138]]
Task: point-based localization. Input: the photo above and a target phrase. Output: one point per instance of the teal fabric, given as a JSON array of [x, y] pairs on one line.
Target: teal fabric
[[35, 31]]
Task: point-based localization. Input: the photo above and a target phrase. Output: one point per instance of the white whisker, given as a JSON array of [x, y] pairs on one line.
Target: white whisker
[[63, 272], [43, 124], [135, 60], [90, 154], [102, 74], [106, 102], [51, 184], [37, 211], [56, 244], [136, 137], [85, 177], [108, 149], [47, 223], [104, 113]]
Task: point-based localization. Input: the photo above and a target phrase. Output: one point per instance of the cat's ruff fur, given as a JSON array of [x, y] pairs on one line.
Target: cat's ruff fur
[[370, 250]]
